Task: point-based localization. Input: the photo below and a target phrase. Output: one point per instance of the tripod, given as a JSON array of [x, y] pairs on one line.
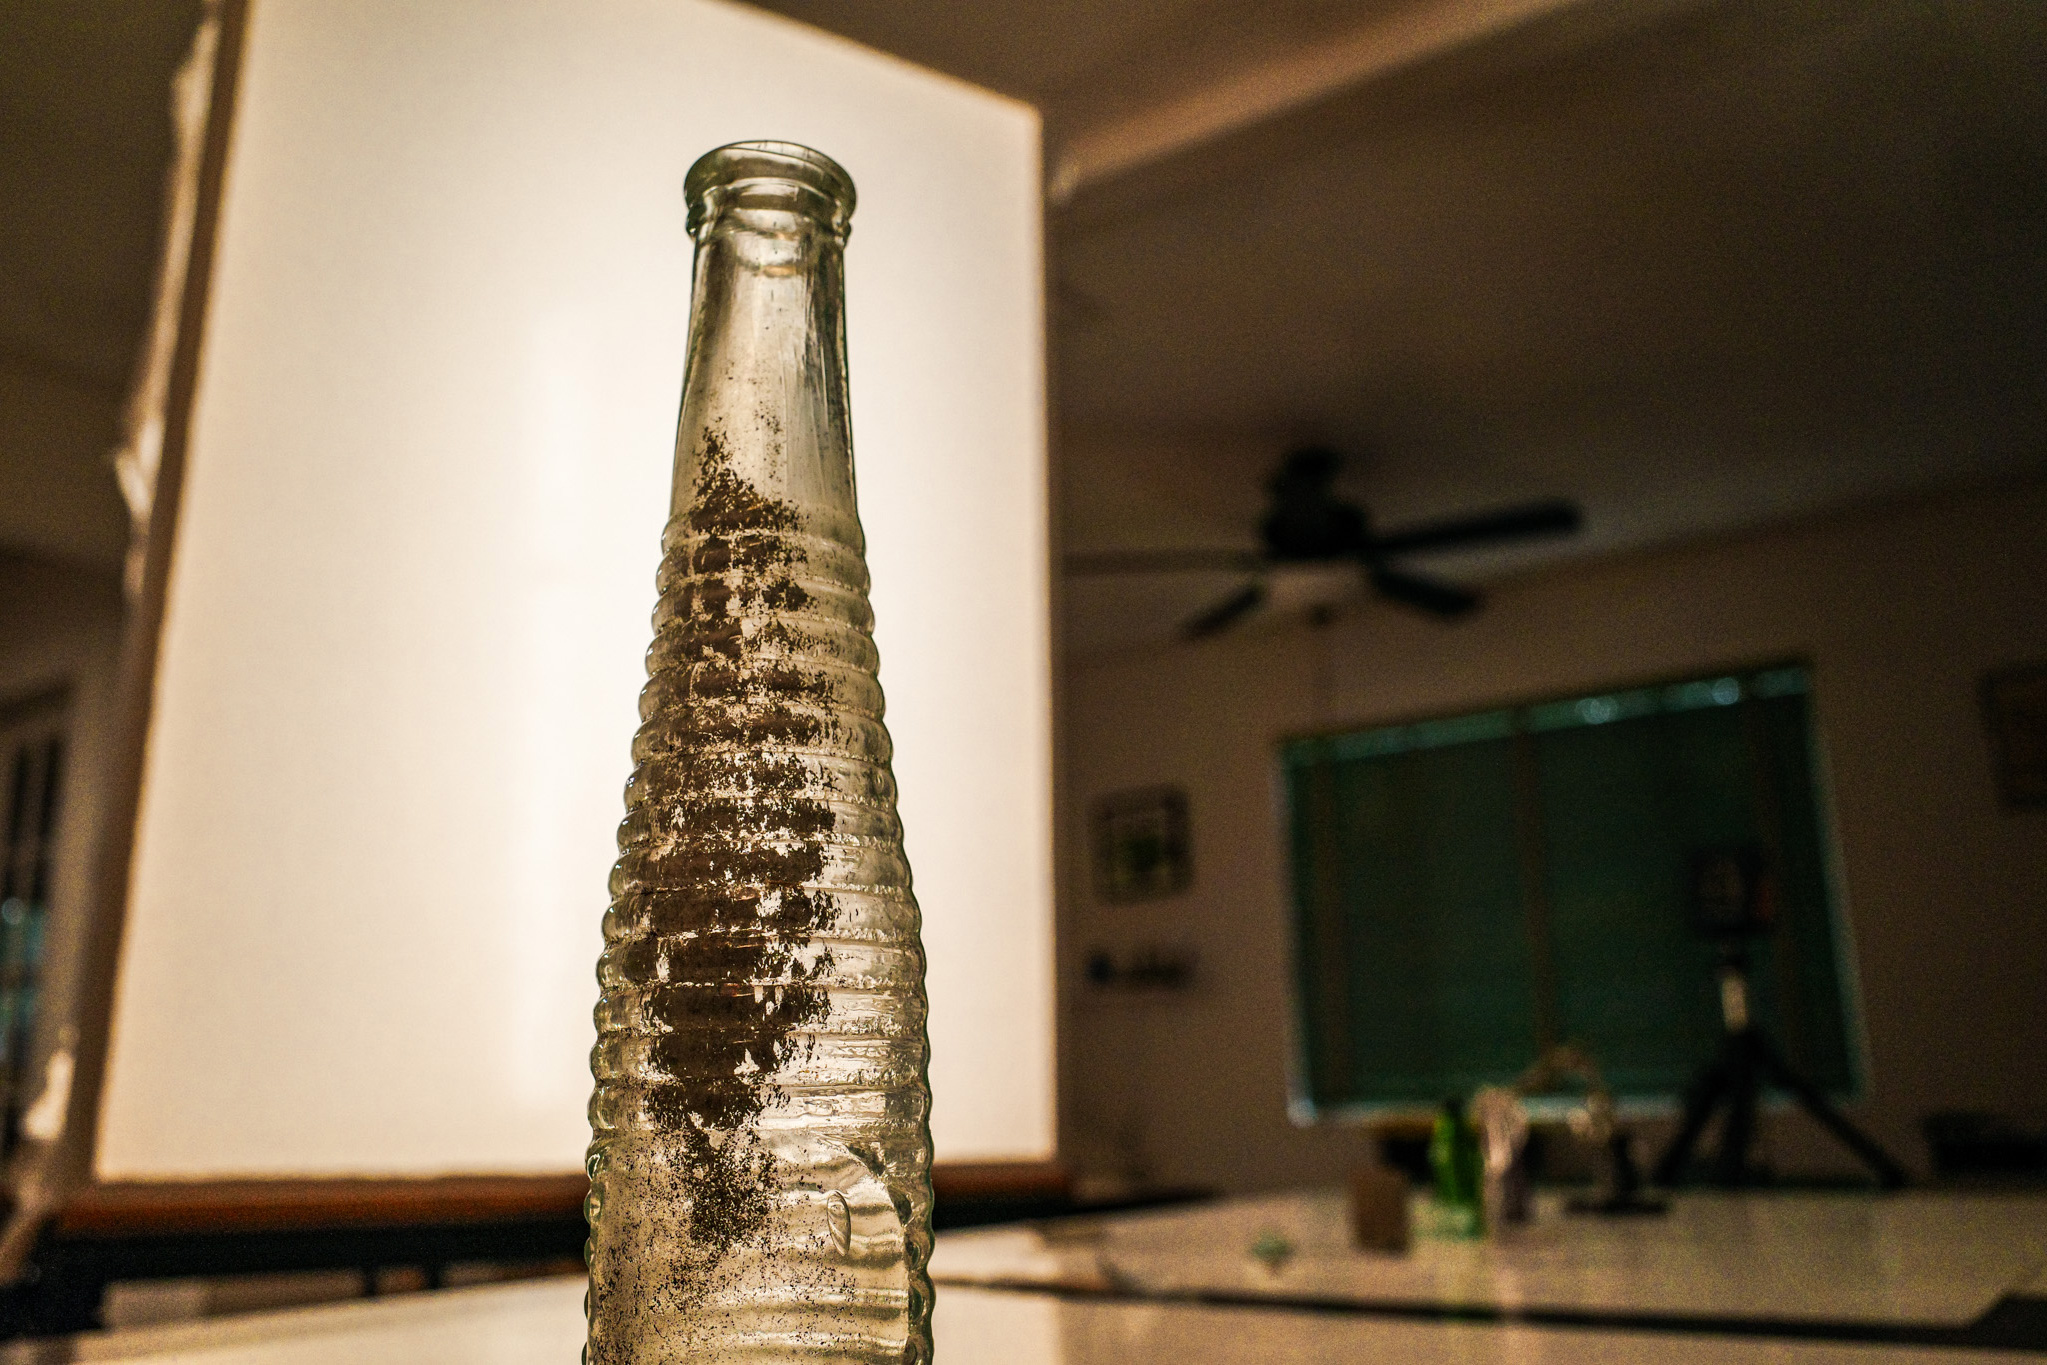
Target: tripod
[[1747, 1061]]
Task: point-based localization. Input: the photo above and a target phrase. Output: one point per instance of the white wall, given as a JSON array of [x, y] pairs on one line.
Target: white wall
[[415, 565], [1900, 609]]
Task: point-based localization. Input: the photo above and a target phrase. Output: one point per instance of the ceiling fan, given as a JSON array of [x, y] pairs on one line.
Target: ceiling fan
[[1308, 523]]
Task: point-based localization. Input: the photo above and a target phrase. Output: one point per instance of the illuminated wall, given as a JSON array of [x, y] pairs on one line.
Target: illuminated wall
[[410, 598]]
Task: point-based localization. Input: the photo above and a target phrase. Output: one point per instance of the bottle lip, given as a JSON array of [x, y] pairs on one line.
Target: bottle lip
[[784, 175]]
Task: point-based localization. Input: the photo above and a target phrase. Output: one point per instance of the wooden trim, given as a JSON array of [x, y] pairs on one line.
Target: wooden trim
[[1000, 1180], [129, 1208], [201, 1206]]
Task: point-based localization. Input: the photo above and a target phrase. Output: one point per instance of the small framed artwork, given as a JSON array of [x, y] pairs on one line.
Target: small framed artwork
[[2015, 709], [1141, 848]]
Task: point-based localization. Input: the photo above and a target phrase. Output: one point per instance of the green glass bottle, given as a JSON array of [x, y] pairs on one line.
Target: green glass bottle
[[1458, 1167]]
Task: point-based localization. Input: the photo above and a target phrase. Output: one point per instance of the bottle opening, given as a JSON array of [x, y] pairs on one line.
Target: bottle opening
[[770, 175]]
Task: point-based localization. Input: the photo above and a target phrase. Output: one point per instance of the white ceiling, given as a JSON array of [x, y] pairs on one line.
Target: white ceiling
[[1701, 264]]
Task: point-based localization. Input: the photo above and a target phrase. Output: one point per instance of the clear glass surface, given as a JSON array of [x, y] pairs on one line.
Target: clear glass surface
[[760, 1160]]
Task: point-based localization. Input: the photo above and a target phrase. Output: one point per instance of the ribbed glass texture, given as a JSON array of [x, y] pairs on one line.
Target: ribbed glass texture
[[760, 1162]]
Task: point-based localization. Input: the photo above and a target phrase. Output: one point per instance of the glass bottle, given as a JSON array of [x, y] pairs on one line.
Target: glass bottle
[[1455, 1162], [760, 1160]]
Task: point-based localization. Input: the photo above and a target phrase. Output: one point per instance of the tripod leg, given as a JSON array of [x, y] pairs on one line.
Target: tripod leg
[[1731, 1166], [1888, 1173], [1700, 1100]]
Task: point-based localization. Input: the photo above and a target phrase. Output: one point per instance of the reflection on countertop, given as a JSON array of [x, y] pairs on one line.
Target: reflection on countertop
[[541, 1323], [1797, 1257], [1787, 1278]]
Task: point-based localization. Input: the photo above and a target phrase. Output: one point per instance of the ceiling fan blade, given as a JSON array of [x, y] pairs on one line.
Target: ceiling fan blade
[[1424, 594], [1225, 613], [1555, 517], [1162, 561]]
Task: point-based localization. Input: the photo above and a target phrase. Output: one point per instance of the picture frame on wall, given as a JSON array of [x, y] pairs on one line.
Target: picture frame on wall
[[1141, 846], [2015, 712]]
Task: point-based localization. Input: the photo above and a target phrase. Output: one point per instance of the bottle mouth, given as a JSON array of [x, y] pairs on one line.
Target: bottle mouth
[[769, 175]]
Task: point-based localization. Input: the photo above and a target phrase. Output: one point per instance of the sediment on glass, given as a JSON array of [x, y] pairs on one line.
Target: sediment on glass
[[760, 1157]]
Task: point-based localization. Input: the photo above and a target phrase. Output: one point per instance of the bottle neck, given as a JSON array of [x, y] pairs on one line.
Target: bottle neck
[[764, 393]]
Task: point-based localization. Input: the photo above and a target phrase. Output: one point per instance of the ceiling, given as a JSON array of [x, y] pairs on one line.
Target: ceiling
[[1700, 264], [85, 139]]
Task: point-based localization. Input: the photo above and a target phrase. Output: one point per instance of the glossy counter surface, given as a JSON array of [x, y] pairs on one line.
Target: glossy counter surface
[[541, 1323], [1938, 1260]]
